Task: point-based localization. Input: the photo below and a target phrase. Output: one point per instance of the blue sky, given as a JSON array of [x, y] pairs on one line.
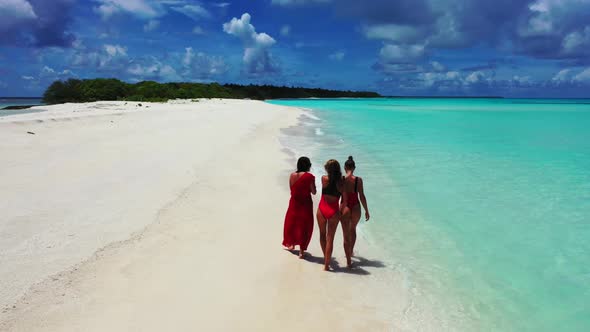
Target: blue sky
[[512, 48]]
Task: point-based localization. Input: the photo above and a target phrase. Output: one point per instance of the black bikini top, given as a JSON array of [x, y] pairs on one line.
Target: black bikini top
[[356, 183], [331, 190]]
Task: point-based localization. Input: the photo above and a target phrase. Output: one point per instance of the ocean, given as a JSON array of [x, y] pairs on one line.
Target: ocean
[[7, 101], [483, 205]]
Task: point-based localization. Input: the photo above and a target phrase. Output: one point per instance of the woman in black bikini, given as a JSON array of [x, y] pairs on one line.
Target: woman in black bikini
[[351, 213]]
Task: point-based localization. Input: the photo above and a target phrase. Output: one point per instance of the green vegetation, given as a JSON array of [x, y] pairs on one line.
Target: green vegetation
[[76, 91]]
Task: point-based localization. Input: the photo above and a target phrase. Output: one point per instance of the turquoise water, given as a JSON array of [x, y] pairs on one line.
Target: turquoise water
[[484, 204], [16, 102]]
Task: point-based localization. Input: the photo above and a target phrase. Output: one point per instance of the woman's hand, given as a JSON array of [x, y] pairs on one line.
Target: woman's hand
[[367, 216]]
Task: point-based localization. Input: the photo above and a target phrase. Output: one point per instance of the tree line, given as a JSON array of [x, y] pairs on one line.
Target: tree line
[[75, 90]]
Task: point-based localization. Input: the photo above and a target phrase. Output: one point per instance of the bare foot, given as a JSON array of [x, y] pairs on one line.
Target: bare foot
[[290, 247], [326, 268], [302, 254]]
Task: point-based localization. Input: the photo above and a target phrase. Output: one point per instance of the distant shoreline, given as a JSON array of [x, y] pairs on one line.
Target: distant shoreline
[[17, 107]]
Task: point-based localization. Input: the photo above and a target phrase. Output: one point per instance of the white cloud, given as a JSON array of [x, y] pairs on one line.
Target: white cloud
[[16, 9], [285, 30], [141, 8], [521, 80], [115, 50], [337, 56], [15, 12], [450, 78], [577, 41], [151, 25], [221, 4], [153, 69], [107, 58], [391, 53], [583, 76], [257, 58], [393, 32], [437, 66], [569, 76], [477, 77], [195, 12], [47, 72], [562, 76], [47, 75], [202, 66]]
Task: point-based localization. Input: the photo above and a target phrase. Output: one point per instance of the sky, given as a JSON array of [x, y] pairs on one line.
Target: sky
[[510, 48]]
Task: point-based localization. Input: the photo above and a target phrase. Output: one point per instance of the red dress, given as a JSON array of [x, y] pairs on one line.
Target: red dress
[[299, 219]]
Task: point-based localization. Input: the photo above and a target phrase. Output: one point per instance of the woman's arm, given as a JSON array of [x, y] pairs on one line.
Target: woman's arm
[[344, 203], [313, 188], [363, 199]]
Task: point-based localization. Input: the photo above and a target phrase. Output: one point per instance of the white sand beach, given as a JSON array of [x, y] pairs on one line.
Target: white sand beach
[[165, 217]]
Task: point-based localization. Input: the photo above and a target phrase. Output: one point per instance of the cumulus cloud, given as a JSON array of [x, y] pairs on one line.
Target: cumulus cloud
[[35, 23], [115, 50], [577, 42], [435, 79], [257, 58], [15, 10], [563, 75], [198, 66], [544, 29], [47, 75], [583, 76], [477, 77], [394, 32], [437, 66], [401, 53], [152, 69], [108, 58]]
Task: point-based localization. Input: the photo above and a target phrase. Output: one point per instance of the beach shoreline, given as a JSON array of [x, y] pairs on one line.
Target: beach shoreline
[[212, 247]]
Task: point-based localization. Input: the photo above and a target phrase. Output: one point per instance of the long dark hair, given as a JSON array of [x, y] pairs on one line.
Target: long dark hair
[[332, 167], [303, 164], [349, 164]]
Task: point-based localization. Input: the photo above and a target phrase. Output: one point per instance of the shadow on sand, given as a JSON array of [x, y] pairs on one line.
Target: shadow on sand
[[358, 263]]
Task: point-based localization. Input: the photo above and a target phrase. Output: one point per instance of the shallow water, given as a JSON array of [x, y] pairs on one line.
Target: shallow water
[[482, 204], [17, 102]]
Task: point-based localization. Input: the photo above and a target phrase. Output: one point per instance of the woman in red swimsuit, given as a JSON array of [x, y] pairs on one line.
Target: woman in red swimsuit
[[351, 213], [299, 218], [328, 214]]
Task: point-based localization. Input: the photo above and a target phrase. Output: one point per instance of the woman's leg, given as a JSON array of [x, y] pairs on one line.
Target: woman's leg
[[346, 220], [322, 226], [355, 217], [332, 226]]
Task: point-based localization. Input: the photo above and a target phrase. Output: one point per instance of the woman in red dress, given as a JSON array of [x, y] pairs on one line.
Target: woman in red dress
[[299, 219]]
